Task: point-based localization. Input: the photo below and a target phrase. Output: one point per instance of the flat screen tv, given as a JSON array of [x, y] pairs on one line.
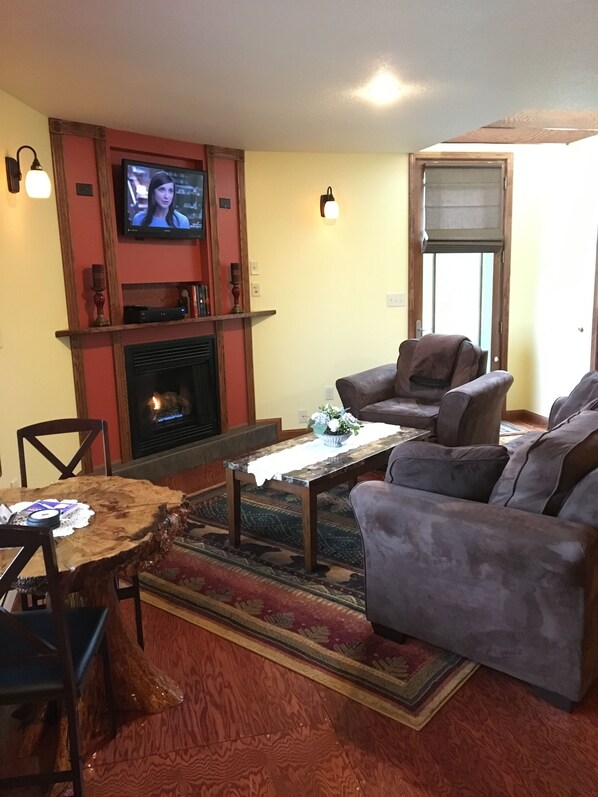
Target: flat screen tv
[[163, 201]]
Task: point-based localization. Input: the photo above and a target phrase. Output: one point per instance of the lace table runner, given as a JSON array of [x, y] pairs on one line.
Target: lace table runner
[[272, 466]]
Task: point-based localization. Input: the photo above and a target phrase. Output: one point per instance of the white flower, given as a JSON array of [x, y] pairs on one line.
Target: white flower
[[333, 420]]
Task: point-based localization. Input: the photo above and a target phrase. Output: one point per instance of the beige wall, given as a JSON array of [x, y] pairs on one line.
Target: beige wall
[[327, 281], [328, 284], [37, 381]]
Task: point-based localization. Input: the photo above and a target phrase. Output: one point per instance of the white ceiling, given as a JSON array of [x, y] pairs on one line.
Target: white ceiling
[[279, 74]]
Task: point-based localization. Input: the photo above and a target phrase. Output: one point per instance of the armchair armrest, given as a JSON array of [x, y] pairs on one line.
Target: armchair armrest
[[367, 387], [470, 414]]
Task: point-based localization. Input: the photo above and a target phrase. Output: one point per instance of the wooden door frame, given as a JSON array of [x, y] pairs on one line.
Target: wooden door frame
[[500, 303]]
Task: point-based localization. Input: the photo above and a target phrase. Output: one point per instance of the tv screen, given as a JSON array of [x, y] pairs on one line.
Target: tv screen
[[163, 201]]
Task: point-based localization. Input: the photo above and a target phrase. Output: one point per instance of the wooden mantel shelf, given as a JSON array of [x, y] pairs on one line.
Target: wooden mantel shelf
[[71, 333]]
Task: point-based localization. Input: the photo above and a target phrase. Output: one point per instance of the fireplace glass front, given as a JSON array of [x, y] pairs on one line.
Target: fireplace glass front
[[172, 391]]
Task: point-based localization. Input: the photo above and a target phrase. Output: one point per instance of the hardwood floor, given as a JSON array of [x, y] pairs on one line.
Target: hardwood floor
[[250, 727]]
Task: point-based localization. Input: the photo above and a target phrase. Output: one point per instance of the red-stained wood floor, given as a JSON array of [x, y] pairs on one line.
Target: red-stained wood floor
[[251, 728], [248, 727]]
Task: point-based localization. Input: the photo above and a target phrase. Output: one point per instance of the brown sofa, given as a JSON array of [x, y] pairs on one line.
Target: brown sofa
[[492, 557], [463, 410]]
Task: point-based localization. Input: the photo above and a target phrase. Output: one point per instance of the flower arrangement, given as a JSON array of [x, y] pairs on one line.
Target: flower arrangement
[[331, 420]]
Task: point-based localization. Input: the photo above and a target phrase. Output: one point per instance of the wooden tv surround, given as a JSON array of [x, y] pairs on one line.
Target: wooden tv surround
[[87, 172]]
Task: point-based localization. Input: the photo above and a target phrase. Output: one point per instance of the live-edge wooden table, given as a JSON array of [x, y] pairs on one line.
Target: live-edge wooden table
[[133, 527], [310, 481]]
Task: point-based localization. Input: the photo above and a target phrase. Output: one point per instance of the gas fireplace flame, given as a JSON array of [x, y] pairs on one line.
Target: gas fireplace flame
[[155, 402]]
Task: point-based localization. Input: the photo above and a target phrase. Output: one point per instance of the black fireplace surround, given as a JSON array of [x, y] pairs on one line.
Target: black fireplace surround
[[172, 389]]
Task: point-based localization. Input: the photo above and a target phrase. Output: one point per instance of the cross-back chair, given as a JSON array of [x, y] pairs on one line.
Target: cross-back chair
[[46, 655], [89, 429]]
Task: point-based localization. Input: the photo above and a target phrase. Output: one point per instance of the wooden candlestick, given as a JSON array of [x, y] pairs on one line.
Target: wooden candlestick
[[98, 283], [98, 277], [99, 299], [235, 281]]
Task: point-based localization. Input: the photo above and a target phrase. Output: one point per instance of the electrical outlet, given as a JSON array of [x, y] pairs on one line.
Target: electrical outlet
[[255, 289], [303, 416], [328, 394], [254, 267]]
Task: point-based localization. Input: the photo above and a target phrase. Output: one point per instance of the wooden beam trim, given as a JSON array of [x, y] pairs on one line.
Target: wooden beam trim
[[120, 380], [64, 127], [108, 215], [225, 152]]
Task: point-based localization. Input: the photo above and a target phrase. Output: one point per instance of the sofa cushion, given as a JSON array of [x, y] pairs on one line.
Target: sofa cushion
[[468, 472], [416, 413], [581, 505], [540, 475], [581, 397], [466, 369], [434, 360]]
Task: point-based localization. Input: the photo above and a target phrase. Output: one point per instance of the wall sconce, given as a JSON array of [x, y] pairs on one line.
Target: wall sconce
[[37, 182], [328, 205]]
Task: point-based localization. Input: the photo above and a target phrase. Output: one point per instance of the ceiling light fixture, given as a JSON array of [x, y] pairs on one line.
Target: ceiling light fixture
[[328, 205], [37, 182], [383, 88]]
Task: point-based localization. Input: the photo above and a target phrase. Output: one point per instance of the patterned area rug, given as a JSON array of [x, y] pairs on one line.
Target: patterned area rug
[[508, 429], [259, 596]]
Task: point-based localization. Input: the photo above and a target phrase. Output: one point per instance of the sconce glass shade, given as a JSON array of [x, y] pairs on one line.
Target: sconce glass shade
[[37, 184], [328, 205], [331, 209]]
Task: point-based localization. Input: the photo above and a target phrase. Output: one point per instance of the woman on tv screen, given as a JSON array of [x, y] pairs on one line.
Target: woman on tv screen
[[161, 198]]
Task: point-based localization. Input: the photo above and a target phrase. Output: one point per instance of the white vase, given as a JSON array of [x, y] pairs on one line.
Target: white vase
[[334, 440]]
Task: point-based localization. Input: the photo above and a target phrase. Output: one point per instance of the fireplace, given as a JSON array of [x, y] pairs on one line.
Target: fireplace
[[172, 389]]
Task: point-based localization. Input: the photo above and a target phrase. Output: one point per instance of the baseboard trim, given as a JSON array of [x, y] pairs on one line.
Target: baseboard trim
[[525, 416]]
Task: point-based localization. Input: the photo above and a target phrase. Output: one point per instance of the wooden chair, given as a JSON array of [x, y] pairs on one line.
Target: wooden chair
[[47, 655], [92, 428]]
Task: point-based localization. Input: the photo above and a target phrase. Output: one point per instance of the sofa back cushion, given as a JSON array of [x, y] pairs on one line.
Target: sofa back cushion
[[466, 369], [581, 506], [583, 393], [468, 472], [541, 474]]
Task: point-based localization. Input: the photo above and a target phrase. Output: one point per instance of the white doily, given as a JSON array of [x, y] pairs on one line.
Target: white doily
[[272, 466], [77, 518]]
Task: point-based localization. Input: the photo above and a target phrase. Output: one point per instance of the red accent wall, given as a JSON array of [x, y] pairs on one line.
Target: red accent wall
[[149, 261]]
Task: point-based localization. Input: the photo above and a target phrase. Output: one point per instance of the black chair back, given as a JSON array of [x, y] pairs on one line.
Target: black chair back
[[88, 429]]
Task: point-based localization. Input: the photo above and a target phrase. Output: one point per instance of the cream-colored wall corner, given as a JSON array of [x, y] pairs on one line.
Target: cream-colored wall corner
[[37, 380], [553, 262], [327, 281]]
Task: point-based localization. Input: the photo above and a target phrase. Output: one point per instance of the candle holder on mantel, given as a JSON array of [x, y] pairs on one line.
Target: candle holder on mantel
[[235, 281], [98, 284]]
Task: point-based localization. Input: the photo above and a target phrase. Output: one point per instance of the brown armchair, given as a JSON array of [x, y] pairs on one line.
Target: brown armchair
[[438, 383], [491, 557]]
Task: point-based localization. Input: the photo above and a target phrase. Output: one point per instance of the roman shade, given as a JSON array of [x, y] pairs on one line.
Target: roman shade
[[463, 208]]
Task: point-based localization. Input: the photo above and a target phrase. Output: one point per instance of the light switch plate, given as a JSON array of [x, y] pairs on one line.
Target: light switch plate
[[254, 267]]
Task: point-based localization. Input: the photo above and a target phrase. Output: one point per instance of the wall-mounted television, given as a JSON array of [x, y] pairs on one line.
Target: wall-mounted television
[[163, 201]]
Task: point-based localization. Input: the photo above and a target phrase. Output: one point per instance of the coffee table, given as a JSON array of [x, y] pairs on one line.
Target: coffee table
[[310, 481]]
